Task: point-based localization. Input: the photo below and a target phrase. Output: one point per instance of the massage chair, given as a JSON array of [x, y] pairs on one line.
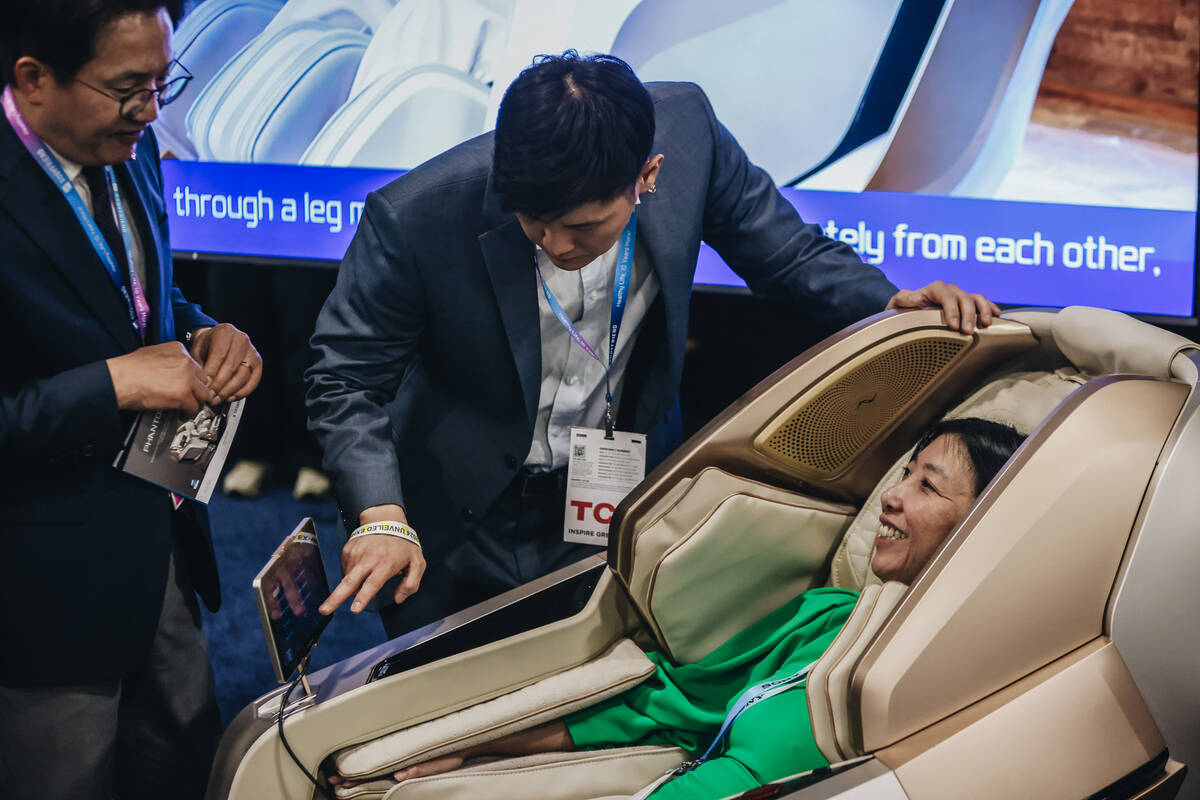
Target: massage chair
[[1043, 652]]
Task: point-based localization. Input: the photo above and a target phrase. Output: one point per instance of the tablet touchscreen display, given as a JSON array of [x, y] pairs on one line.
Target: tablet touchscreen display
[[289, 590]]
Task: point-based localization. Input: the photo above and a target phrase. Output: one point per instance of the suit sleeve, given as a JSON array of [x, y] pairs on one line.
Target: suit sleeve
[[60, 415], [188, 316], [783, 259], [365, 340]]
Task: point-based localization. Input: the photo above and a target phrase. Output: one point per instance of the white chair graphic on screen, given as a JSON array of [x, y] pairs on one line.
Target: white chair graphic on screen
[[467, 35], [787, 77], [273, 95], [207, 38], [967, 118], [267, 103], [400, 121], [926, 95], [423, 86], [364, 16]]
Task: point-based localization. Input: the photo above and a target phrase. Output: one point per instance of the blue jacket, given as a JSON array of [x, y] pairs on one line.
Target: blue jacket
[[84, 548], [425, 387]]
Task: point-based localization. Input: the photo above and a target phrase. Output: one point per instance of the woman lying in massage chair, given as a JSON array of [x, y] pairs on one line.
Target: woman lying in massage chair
[[685, 705]]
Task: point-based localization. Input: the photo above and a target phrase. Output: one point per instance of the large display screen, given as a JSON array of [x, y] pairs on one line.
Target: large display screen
[[919, 132]]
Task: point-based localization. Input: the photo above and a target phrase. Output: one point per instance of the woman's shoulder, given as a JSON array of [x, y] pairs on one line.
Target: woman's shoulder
[[829, 596]]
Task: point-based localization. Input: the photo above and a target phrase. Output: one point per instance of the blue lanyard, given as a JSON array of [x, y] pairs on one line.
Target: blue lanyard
[[746, 699], [620, 295], [135, 302]]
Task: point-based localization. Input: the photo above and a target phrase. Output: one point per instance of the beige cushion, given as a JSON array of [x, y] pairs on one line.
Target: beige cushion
[[748, 557], [622, 666], [1102, 342], [368, 790], [820, 713], [588, 775], [1022, 400], [684, 507], [698, 566], [839, 676]]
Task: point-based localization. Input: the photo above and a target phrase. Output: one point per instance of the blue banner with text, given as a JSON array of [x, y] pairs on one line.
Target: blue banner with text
[[1130, 259]]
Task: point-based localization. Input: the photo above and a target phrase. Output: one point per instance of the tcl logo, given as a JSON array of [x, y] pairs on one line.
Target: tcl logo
[[602, 512]]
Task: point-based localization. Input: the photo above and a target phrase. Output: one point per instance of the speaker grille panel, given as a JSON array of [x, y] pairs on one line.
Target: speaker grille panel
[[825, 433]]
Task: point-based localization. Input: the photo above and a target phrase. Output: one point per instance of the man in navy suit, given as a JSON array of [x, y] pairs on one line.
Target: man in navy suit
[[105, 684], [446, 384]]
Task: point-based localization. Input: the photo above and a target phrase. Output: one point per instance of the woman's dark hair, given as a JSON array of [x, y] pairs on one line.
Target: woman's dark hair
[[987, 444], [62, 33], [570, 130]]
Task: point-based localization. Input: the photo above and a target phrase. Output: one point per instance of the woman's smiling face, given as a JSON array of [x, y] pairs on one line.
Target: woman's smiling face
[[919, 511]]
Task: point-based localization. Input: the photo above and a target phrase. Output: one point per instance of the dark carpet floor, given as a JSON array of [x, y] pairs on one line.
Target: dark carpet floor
[[245, 533]]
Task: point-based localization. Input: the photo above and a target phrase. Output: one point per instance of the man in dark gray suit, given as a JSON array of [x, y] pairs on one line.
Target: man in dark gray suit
[[445, 386]]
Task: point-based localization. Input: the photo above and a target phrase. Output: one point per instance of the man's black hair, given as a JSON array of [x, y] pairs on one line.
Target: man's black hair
[[62, 33], [987, 444], [570, 130]]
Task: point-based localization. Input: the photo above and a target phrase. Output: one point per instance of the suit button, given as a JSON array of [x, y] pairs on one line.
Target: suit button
[[468, 514], [510, 461]]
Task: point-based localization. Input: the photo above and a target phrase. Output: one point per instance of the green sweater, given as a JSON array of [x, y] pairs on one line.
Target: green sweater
[[685, 705]]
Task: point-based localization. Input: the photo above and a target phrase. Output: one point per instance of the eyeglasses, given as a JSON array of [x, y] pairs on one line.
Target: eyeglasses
[[135, 102]]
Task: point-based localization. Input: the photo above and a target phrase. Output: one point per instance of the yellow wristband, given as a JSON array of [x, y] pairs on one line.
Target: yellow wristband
[[390, 529]]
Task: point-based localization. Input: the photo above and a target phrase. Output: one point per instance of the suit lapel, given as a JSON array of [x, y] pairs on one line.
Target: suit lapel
[[509, 258], [655, 215], [38, 207]]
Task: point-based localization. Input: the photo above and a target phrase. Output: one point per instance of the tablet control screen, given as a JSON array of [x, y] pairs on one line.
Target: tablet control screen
[[289, 590]]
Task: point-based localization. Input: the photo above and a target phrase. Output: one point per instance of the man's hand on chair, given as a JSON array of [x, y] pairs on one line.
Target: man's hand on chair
[[960, 310], [369, 562]]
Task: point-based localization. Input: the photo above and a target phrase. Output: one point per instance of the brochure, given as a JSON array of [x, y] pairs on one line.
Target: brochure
[[181, 452]]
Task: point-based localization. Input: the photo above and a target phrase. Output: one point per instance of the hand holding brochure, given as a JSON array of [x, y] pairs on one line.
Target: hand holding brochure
[[181, 452]]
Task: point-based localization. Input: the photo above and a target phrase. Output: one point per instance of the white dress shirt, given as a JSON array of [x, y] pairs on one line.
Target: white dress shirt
[[572, 388], [75, 175]]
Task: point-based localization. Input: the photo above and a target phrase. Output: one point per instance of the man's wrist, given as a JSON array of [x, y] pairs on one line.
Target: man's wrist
[[400, 530], [382, 513], [123, 393]]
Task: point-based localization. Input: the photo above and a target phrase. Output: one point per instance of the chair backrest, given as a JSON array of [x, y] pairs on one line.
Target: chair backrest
[[1094, 340], [1021, 399], [740, 520], [1026, 576]]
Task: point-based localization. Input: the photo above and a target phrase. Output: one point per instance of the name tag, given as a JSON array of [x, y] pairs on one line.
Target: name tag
[[600, 473]]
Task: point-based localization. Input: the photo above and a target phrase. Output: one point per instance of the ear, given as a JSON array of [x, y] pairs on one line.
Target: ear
[[31, 79], [649, 173]]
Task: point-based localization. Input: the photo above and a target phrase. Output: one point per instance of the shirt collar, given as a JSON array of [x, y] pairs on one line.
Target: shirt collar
[[70, 167]]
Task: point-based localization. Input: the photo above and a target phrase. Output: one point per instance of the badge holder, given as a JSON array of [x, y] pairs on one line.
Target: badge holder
[[602, 467]]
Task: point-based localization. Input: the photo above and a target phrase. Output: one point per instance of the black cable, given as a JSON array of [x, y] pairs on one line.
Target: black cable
[[283, 739]]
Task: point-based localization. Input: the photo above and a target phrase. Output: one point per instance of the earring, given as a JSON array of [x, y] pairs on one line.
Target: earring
[[652, 188]]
